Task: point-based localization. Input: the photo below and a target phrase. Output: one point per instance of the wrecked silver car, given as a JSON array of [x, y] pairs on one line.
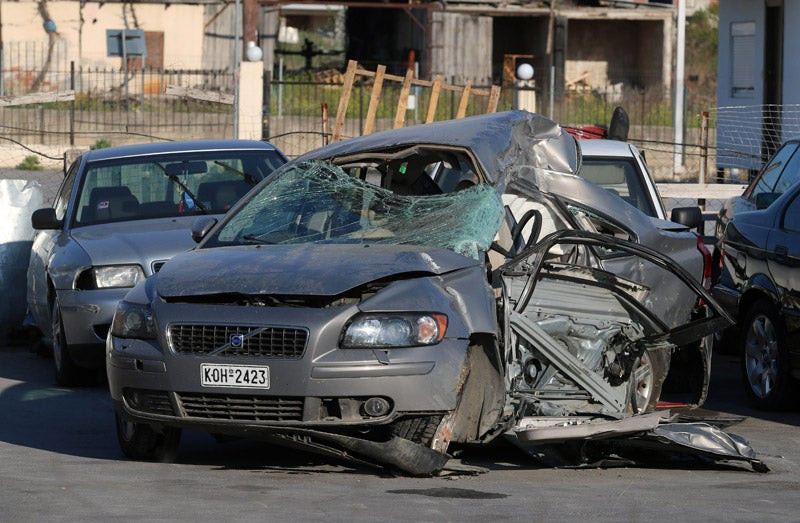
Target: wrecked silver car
[[448, 283]]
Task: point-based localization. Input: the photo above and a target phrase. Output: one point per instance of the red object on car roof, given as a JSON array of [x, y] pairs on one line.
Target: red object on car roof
[[588, 132]]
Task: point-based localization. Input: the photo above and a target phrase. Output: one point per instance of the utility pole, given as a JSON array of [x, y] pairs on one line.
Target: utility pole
[[679, 109], [250, 22], [236, 59]]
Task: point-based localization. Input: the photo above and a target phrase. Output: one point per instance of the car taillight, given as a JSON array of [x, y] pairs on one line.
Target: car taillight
[[706, 281]]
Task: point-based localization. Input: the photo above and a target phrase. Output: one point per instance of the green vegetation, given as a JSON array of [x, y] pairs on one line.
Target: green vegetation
[[701, 55], [102, 143], [30, 163]]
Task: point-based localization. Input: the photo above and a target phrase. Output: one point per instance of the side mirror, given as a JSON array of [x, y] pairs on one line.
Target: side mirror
[[692, 217], [765, 199], [45, 219], [201, 226]]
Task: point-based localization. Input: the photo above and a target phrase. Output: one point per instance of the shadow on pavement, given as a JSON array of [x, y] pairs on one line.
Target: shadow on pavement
[[79, 422], [38, 414], [727, 394]]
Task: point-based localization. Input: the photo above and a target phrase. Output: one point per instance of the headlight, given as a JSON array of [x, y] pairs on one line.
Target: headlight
[[117, 276], [394, 330], [133, 320]]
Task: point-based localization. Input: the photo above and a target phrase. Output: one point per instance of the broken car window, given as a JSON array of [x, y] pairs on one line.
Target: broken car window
[[318, 202]]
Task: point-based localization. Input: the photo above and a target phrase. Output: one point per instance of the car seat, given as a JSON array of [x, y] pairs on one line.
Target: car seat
[[110, 204], [220, 196]]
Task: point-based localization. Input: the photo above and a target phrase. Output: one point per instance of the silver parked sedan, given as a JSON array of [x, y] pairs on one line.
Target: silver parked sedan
[[119, 215]]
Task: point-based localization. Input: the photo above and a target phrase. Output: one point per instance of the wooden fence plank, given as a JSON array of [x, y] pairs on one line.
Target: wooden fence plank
[[344, 100], [37, 98], [494, 99], [462, 104], [402, 102], [200, 94], [374, 99], [434, 101]]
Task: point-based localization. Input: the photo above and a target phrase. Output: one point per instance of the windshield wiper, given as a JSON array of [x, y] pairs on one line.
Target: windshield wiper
[[249, 178], [254, 238], [180, 184]]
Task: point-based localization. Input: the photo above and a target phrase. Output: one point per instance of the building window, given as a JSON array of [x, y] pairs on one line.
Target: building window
[[743, 58]]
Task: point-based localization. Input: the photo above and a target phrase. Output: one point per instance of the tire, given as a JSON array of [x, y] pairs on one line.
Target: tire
[[140, 441], [647, 380], [765, 357], [419, 429], [67, 372]]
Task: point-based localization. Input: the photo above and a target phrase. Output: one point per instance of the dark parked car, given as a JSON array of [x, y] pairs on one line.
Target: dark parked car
[[781, 172], [119, 215], [385, 296], [760, 286]]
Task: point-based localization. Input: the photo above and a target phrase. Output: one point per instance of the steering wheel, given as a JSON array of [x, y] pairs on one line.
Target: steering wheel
[[532, 239]]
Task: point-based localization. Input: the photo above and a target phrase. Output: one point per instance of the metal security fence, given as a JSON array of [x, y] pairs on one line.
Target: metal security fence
[[116, 107], [296, 123]]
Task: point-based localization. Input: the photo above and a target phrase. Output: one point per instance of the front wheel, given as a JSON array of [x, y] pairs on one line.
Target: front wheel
[[765, 358], [67, 372], [648, 379], [141, 441]]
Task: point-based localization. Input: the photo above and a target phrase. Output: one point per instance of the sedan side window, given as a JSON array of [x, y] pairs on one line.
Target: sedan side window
[[789, 175], [62, 198], [791, 217], [773, 170]]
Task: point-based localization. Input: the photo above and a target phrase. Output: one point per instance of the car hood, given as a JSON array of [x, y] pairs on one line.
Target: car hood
[[310, 270], [667, 225], [139, 241]]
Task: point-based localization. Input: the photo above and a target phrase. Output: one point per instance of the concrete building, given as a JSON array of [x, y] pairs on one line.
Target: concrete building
[[758, 75]]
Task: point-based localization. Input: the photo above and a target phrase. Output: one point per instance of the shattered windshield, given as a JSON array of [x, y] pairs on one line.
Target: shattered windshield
[[317, 202]]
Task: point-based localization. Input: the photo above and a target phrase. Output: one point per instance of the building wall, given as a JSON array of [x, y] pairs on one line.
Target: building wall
[[182, 26], [617, 46], [729, 135], [791, 70], [462, 47]]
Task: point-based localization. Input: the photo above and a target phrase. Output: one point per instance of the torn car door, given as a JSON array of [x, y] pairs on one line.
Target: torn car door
[[581, 341]]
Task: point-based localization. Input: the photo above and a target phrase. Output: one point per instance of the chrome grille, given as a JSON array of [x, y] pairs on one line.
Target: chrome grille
[[244, 408], [268, 342]]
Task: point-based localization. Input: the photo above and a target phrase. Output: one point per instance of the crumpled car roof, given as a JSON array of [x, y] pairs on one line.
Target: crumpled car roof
[[498, 140], [520, 152]]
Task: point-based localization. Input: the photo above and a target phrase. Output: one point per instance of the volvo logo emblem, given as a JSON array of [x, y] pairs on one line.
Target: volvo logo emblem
[[237, 340]]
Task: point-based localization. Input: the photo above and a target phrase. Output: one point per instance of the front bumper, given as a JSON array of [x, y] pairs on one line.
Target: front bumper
[[317, 391], [86, 318]]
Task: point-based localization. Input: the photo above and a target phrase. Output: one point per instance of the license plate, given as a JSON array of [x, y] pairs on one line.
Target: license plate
[[246, 376]]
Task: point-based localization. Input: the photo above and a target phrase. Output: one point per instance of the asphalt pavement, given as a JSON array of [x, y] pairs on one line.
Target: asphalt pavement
[[60, 461]]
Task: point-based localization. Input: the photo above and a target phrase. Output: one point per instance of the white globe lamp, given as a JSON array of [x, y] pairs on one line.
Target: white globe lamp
[[525, 72], [253, 53]]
